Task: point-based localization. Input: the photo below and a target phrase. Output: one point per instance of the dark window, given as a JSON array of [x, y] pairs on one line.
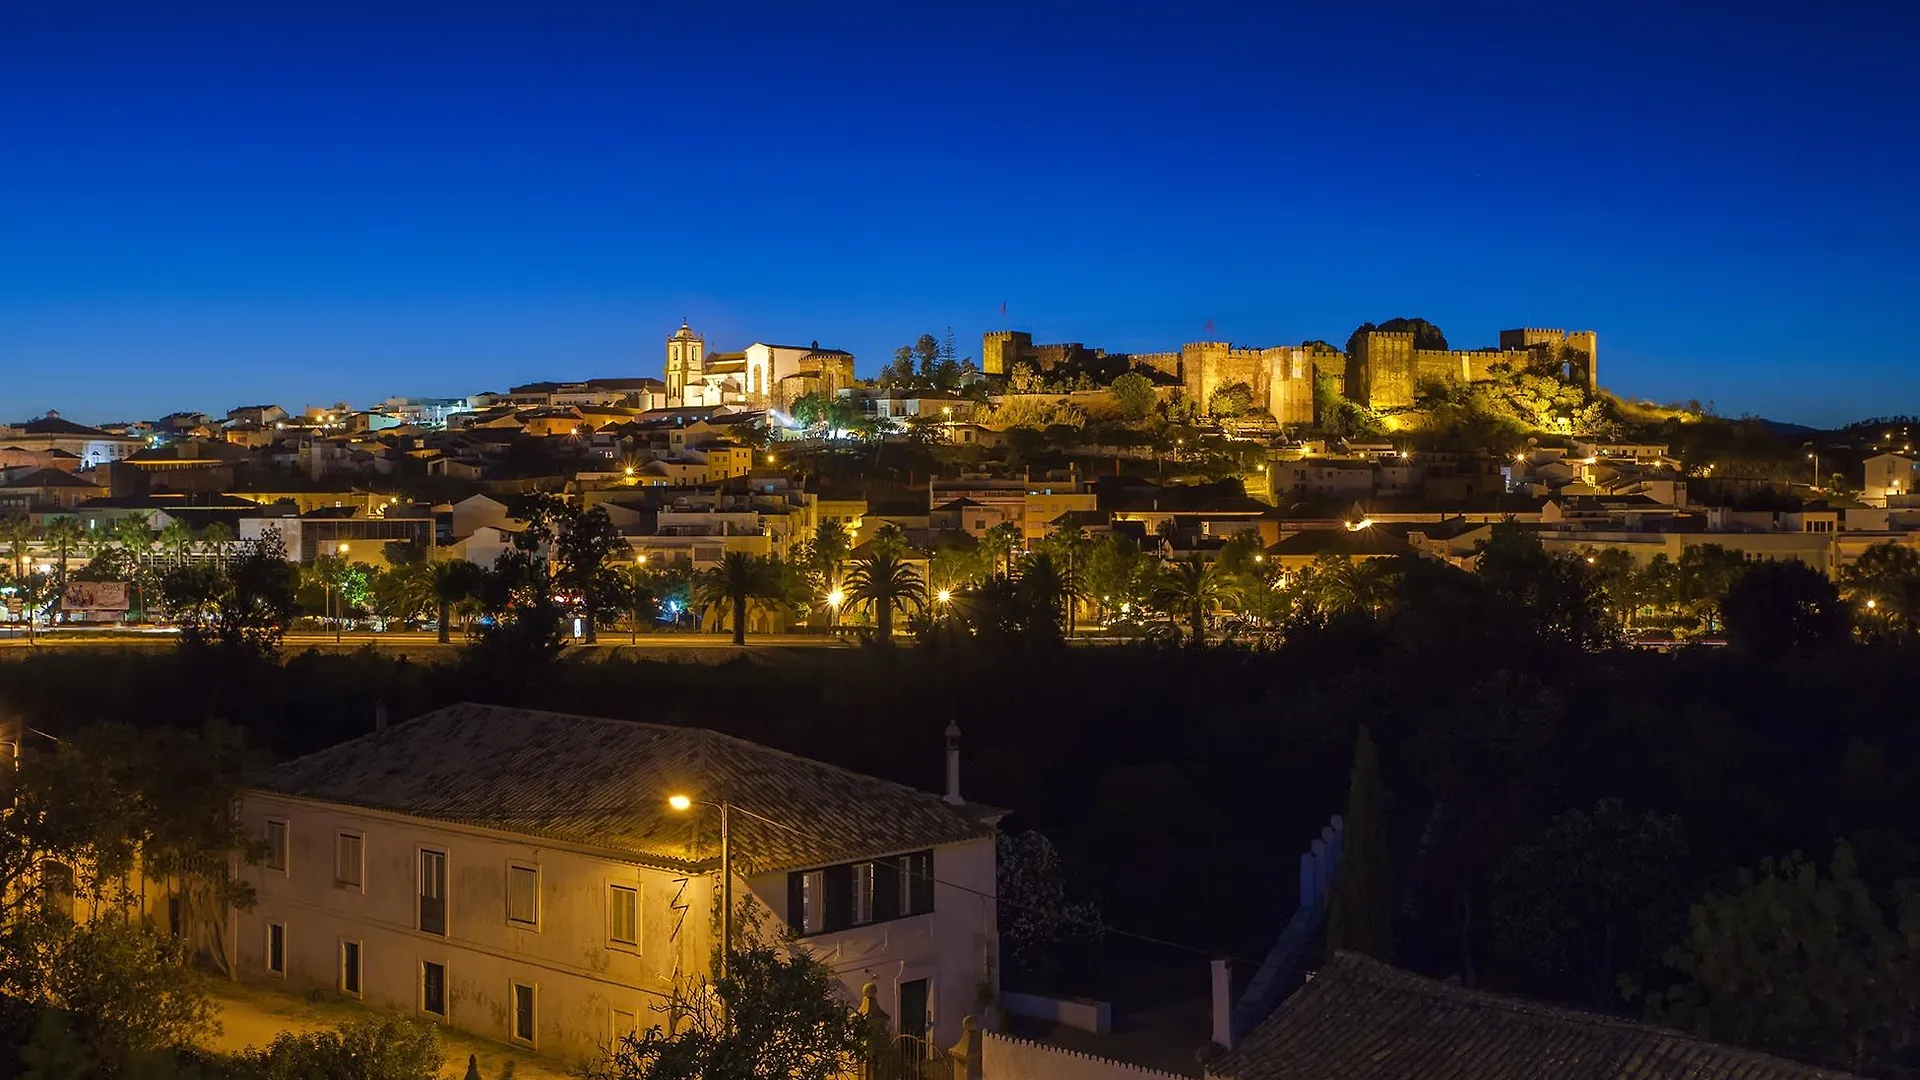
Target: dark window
[[523, 1012], [176, 917], [350, 968], [856, 894], [433, 892], [276, 948], [433, 988], [916, 884]]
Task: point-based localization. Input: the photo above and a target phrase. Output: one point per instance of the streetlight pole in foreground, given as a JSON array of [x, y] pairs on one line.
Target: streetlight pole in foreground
[[683, 803]]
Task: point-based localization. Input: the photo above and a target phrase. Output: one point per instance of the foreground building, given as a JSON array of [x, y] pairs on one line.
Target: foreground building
[[519, 875], [1361, 1020]]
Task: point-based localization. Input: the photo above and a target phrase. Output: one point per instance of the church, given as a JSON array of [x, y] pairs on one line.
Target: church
[[761, 376]]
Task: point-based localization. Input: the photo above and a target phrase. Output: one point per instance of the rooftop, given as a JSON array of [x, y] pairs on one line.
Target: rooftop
[[1359, 1019], [604, 784]]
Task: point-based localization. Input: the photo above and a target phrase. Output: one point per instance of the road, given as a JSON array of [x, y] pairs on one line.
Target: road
[[411, 640]]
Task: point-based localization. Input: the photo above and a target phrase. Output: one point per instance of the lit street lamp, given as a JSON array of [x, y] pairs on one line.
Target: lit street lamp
[[683, 803], [339, 550]]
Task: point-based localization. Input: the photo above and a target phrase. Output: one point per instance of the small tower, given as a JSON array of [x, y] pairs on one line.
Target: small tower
[[686, 363]]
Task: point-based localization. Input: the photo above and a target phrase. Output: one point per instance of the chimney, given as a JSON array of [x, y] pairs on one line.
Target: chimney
[[953, 764], [380, 715], [1223, 1004]]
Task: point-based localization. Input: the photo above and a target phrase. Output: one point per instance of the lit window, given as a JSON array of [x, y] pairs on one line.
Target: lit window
[[349, 860], [433, 892], [623, 915], [813, 907], [523, 895], [862, 893], [277, 846]]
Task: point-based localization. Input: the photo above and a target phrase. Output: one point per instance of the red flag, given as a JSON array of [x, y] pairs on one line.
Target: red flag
[[1003, 309], [1209, 327]]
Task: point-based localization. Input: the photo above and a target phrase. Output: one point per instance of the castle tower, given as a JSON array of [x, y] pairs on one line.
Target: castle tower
[[686, 362]]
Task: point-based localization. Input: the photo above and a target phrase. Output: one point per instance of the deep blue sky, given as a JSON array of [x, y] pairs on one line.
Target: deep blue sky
[[209, 205]]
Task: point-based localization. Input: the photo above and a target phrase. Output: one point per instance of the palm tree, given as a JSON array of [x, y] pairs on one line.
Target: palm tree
[[454, 580], [1193, 587], [17, 531], [176, 540], [888, 539], [215, 538], [135, 536], [1002, 541], [881, 582], [738, 580], [65, 534], [637, 594]]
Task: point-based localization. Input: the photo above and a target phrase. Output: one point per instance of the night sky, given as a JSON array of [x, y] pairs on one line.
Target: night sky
[[203, 206]]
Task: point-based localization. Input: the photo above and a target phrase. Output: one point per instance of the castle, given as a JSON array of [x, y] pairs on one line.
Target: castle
[[1382, 372], [761, 376]]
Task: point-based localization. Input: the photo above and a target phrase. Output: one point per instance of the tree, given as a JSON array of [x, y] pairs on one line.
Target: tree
[[1702, 577], [831, 543], [882, 583], [1779, 607], [402, 593], [361, 1048], [1802, 964], [739, 580], [1230, 400], [1360, 909], [1597, 895], [774, 1016], [1134, 394], [64, 534], [454, 581], [638, 596], [176, 539], [240, 609], [1193, 587], [1118, 574], [1036, 917], [1001, 541], [1883, 585], [582, 551], [135, 537], [1552, 596]]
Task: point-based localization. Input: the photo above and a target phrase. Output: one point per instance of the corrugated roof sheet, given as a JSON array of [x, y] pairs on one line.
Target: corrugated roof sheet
[[1359, 1019], [604, 784]]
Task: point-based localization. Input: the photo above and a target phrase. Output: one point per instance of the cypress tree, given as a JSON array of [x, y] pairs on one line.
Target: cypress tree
[[1360, 912]]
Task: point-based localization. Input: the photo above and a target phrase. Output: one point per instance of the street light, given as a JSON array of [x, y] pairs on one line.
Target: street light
[[943, 595], [340, 550], [682, 803]]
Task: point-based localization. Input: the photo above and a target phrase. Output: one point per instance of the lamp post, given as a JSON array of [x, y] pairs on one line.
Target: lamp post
[[339, 550], [683, 803]]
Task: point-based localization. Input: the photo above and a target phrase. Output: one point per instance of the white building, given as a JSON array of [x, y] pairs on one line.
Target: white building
[[1888, 474], [519, 875], [91, 445]]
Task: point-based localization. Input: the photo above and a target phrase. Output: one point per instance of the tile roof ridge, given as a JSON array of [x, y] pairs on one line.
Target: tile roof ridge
[[1356, 968]]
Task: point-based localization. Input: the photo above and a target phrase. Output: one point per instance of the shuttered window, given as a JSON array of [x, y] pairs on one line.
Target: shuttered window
[[858, 894]]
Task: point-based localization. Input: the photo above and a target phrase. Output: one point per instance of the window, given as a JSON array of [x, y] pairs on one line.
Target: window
[[623, 915], [276, 845], [277, 948], [350, 968], [523, 895], [862, 893], [176, 917], [813, 902], [433, 892], [523, 1014], [916, 883], [349, 860], [433, 988], [621, 1024]]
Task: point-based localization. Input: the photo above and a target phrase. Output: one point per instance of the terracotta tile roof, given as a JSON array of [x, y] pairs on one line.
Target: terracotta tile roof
[[604, 784], [1359, 1019]]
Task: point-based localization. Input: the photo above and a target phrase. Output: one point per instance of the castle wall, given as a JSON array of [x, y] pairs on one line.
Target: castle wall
[[1167, 363], [1381, 373]]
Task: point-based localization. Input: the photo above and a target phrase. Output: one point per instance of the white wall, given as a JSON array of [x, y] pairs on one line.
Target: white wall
[[956, 947], [1003, 1057], [579, 975]]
